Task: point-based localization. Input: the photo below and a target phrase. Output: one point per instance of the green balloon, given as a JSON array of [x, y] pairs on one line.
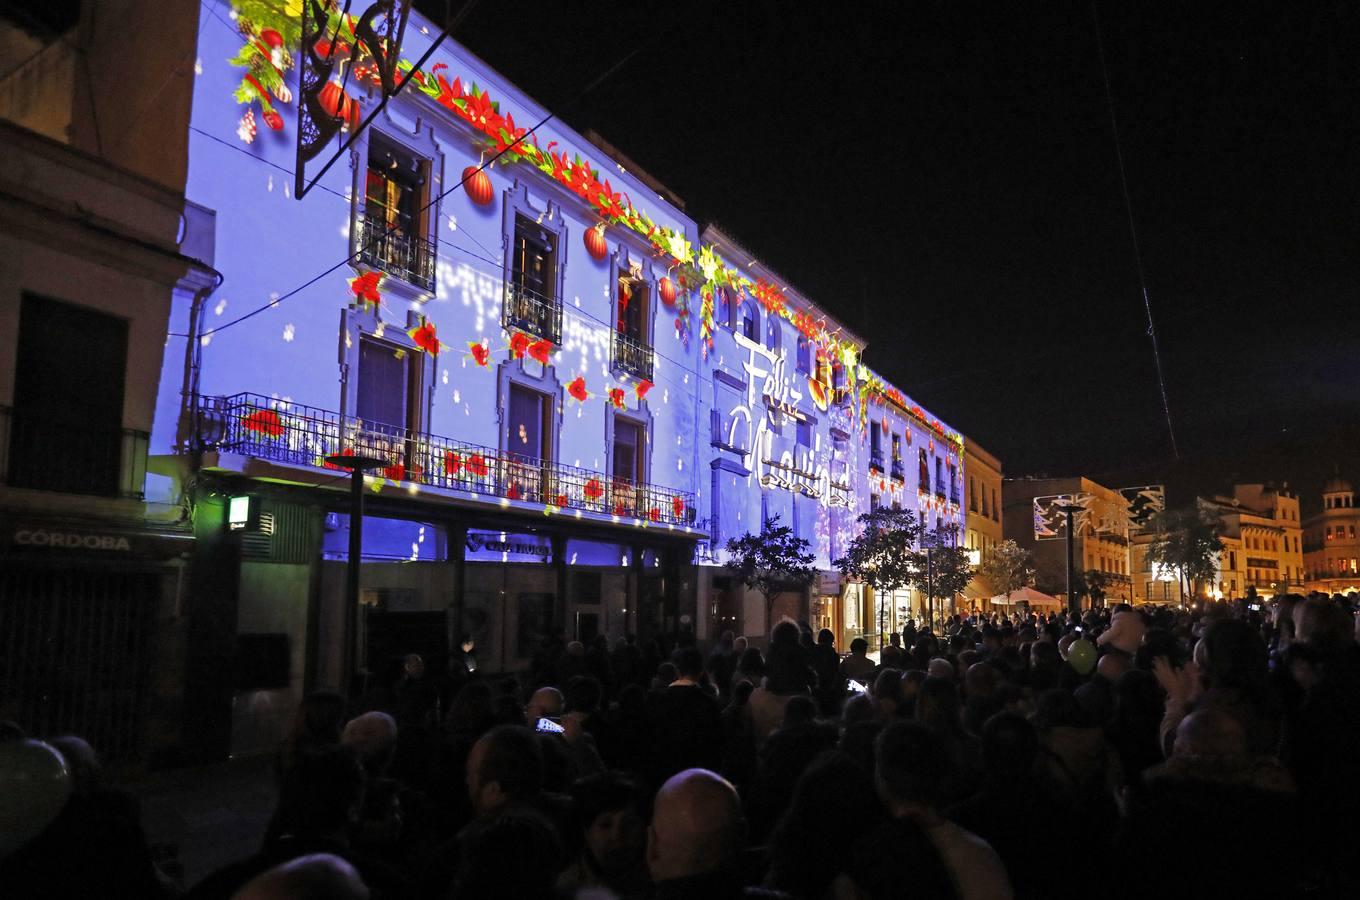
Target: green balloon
[[1082, 656]]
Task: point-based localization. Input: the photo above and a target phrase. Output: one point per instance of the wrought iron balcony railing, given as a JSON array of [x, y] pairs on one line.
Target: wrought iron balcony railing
[[899, 471], [409, 257], [954, 495], [258, 426], [875, 460], [531, 312], [633, 356], [52, 454]]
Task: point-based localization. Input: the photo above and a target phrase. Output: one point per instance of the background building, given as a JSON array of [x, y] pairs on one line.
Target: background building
[[1262, 543], [983, 529], [1330, 546], [1102, 544]]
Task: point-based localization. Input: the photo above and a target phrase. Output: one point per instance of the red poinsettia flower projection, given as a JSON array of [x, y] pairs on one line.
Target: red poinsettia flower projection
[[576, 389], [641, 389], [593, 490], [481, 353], [453, 463], [512, 493], [616, 398], [476, 464], [395, 472], [540, 351], [678, 506], [264, 421], [654, 514], [366, 286], [424, 337], [519, 342]]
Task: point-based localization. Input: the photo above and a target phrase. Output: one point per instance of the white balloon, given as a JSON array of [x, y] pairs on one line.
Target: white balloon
[[34, 786]]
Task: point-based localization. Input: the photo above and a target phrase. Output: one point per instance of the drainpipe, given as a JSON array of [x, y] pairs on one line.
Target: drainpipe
[[193, 362]]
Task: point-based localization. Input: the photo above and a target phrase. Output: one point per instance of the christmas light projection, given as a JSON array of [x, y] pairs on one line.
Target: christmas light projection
[[873, 390], [707, 271]]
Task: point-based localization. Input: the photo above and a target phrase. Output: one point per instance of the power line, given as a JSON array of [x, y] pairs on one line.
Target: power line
[[1133, 232]]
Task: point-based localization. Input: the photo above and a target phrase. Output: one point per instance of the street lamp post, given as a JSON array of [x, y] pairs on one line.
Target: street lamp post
[[356, 465], [1068, 509]]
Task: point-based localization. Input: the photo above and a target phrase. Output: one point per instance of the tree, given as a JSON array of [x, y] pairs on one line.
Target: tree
[[942, 568], [1009, 567], [771, 562], [1186, 542], [883, 555], [1093, 583]]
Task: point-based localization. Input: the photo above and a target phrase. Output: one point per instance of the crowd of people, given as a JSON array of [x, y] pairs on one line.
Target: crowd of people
[[1120, 753]]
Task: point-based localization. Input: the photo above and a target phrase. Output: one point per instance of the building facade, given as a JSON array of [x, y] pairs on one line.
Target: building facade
[[983, 530], [93, 577], [1262, 548], [1330, 546], [566, 395]]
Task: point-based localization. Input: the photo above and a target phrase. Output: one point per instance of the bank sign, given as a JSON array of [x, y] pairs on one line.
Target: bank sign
[[772, 400]]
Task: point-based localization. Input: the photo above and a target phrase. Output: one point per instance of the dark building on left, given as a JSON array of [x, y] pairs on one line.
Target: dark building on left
[[95, 240]]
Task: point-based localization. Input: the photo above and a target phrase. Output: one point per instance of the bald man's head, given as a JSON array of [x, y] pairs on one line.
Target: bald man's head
[[545, 702], [1210, 732], [1113, 665], [697, 826], [320, 876]]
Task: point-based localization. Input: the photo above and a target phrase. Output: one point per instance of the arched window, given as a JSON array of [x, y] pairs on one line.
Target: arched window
[[748, 321], [804, 355], [772, 331], [722, 308], [923, 471]]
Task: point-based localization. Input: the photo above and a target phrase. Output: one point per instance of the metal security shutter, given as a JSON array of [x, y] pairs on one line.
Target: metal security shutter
[[75, 655]]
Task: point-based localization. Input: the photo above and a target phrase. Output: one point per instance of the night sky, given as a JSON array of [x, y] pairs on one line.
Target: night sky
[[942, 177]]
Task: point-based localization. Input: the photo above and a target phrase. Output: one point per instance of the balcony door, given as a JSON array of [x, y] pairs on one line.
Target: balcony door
[[533, 280], [627, 466], [527, 444], [386, 399]]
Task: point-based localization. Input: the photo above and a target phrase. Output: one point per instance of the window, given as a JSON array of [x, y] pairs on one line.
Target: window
[[67, 428], [953, 483], [772, 331], [972, 495], [531, 303], [996, 509], [1329, 532], [939, 476], [723, 308], [627, 454], [875, 445], [748, 321], [1352, 532], [923, 473], [897, 447], [804, 434], [394, 230], [632, 342], [383, 401], [804, 355], [874, 502], [527, 443]]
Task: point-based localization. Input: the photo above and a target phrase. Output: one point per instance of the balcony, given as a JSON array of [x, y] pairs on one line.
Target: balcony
[[876, 460], [406, 256], [529, 311], [257, 426], [71, 457], [899, 471], [954, 495], [632, 356]]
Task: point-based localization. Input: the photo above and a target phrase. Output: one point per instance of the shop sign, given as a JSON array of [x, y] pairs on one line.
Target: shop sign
[[500, 546], [71, 540]]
